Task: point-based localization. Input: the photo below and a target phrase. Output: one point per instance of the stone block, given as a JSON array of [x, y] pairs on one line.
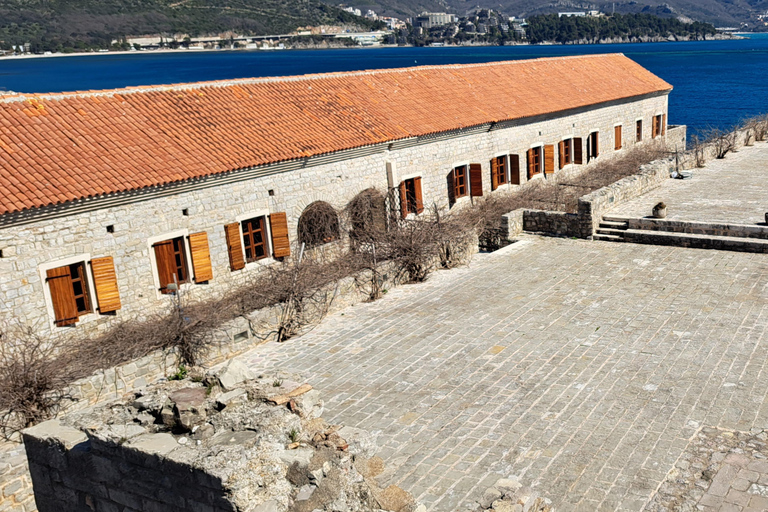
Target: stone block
[[233, 373], [156, 444]]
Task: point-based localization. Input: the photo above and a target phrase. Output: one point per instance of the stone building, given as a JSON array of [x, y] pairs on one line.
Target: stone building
[[111, 199]]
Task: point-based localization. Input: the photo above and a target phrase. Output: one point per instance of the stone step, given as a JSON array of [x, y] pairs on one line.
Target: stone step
[[607, 238], [614, 224], [610, 231], [697, 241], [698, 228]]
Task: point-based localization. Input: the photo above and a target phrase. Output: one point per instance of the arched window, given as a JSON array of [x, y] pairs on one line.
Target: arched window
[[318, 224], [367, 215]]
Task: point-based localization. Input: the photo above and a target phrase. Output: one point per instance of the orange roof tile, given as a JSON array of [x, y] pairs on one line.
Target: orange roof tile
[[66, 146]]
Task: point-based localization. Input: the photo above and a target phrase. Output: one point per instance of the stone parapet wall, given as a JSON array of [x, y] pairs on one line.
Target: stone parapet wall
[[559, 223]]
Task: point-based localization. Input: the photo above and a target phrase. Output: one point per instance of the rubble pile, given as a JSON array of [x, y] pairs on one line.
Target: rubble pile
[[240, 442], [509, 495]]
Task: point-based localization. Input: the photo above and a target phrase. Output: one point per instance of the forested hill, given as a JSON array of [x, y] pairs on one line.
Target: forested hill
[[57, 25], [551, 28]]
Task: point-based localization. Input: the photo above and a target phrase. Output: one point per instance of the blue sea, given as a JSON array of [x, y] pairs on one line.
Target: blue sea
[[717, 83]]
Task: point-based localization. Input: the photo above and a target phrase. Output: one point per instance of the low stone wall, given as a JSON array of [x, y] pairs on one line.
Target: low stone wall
[[512, 223], [542, 221]]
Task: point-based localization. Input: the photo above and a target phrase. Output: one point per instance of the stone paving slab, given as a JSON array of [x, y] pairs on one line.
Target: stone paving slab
[[731, 190], [584, 368]]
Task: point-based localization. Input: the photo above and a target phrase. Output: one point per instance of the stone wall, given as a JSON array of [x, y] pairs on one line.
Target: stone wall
[[126, 231], [558, 223], [15, 482]]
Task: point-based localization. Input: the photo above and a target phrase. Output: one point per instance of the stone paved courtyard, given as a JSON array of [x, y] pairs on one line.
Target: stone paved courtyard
[[585, 368], [730, 190]]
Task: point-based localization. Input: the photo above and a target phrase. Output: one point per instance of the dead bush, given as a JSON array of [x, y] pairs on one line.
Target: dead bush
[[698, 149], [721, 140], [32, 380], [760, 124]]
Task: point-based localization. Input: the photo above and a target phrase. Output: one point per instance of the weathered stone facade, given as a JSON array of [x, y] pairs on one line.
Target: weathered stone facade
[[34, 241]]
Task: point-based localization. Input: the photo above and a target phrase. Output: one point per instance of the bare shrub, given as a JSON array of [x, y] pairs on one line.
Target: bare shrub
[[318, 224], [721, 140], [698, 149], [32, 382], [761, 127]]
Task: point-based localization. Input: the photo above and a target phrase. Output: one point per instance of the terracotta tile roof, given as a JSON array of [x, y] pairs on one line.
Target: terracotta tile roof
[[61, 147]]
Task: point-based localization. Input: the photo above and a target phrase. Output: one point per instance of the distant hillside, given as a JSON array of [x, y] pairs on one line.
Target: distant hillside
[[550, 27], [718, 12], [61, 24]]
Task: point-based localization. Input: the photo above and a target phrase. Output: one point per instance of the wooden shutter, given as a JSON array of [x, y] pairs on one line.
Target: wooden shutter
[[201, 257], [475, 180], [514, 169], [578, 151], [655, 127], [549, 159], [234, 246], [62, 295], [530, 164], [596, 144], [664, 124], [617, 137], [494, 174], [403, 200], [561, 154], [105, 281], [166, 264], [450, 183], [419, 198], [281, 244]]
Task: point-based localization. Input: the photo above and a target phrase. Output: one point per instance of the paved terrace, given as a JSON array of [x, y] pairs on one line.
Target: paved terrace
[[731, 190], [583, 367]]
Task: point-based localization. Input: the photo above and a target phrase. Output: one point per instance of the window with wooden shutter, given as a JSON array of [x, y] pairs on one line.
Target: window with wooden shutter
[[655, 127], [475, 180], [171, 263], [105, 282], [254, 239], [498, 172], [411, 200], [639, 130], [234, 246], [578, 151], [663, 124], [514, 169], [460, 181], [549, 159], [62, 295], [617, 137], [419, 199], [450, 185], [281, 245], [561, 154], [201, 257], [595, 146]]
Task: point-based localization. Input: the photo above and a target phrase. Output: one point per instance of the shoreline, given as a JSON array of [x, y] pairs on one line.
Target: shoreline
[[370, 47]]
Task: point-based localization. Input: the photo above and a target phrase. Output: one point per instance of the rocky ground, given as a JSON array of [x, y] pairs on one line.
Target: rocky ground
[[720, 470]]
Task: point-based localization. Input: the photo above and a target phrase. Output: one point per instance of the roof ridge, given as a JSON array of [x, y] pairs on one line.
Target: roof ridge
[[53, 96]]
